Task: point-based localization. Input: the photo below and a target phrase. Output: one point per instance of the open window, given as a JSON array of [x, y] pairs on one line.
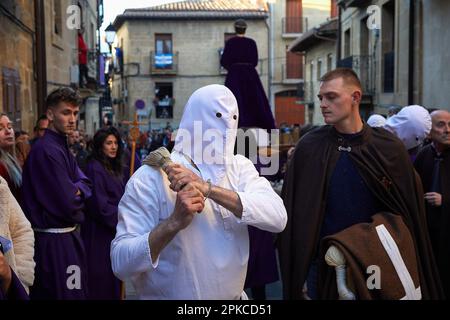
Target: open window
[[164, 100], [163, 51]]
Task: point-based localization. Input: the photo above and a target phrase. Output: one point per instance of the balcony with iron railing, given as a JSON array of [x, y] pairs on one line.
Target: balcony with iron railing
[[354, 3], [92, 57], [362, 65], [164, 63], [89, 81], [292, 27]]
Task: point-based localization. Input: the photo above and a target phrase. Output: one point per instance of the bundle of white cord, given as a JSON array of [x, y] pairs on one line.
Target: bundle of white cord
[[158, 158], [336, 259]]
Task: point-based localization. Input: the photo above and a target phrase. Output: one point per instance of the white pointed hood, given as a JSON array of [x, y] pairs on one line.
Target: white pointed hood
[[412, 125], [208, 129]]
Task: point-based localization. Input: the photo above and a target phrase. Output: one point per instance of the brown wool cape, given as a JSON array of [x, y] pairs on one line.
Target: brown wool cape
[[383, 163], [362, 247]]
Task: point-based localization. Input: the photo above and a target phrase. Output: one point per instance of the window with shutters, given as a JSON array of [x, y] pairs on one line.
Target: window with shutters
[[294, 22], [294, 65], [11, 96]]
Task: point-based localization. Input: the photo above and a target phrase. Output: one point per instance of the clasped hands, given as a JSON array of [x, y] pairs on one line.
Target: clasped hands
[[191, 191], [180, 176]]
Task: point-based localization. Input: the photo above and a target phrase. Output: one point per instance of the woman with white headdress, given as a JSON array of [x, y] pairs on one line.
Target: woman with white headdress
[[182, 233]]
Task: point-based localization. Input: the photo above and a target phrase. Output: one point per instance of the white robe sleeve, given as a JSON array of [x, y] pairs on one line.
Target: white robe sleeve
[[138, 216], [262, 207]]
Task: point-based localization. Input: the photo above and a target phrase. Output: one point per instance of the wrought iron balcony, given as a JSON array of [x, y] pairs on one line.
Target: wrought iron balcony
[[354, 3]]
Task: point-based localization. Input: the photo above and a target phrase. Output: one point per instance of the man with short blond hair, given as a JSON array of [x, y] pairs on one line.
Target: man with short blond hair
[[342, 174]]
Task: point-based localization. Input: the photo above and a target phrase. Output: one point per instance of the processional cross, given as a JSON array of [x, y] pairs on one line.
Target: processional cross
[[134, 134]]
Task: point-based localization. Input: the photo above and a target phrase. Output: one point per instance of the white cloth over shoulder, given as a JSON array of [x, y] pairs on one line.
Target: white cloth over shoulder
[[208, 259]]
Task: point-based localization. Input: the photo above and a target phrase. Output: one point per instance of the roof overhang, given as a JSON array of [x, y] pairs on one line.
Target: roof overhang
[[325, 32]]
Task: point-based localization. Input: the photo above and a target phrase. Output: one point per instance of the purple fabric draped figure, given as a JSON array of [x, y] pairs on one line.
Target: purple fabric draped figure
[[99, 230], [109, 175], [240, 57]]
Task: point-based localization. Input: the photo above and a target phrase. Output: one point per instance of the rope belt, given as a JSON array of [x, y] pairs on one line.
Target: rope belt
[[56, 230]]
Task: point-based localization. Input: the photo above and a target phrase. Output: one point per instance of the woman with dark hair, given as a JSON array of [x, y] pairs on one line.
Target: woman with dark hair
[[10, 168], [105, 170]]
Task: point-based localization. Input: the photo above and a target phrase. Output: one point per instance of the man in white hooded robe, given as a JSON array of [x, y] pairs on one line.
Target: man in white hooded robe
[[167, 248]]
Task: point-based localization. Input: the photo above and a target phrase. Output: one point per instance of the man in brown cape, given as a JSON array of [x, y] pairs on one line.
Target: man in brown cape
[[342, 174], [433, 165]]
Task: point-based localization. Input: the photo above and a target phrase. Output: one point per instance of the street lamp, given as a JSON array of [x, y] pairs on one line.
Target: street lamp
[[110, 34]]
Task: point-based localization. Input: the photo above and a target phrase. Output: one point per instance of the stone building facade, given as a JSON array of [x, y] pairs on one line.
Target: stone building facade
[[192, 35]]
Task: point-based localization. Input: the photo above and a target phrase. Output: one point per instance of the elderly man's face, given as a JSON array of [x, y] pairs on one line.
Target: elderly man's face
[[440, 129], [335, 101]]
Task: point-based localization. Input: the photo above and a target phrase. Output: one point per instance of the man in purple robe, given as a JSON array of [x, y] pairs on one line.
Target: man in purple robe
[[240, 57], [54, 191]]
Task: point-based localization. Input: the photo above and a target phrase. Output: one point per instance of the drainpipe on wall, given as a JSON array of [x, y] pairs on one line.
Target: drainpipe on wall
[[98, 44], [270, 27], [411, 53], [41, 59], [339, 38]]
